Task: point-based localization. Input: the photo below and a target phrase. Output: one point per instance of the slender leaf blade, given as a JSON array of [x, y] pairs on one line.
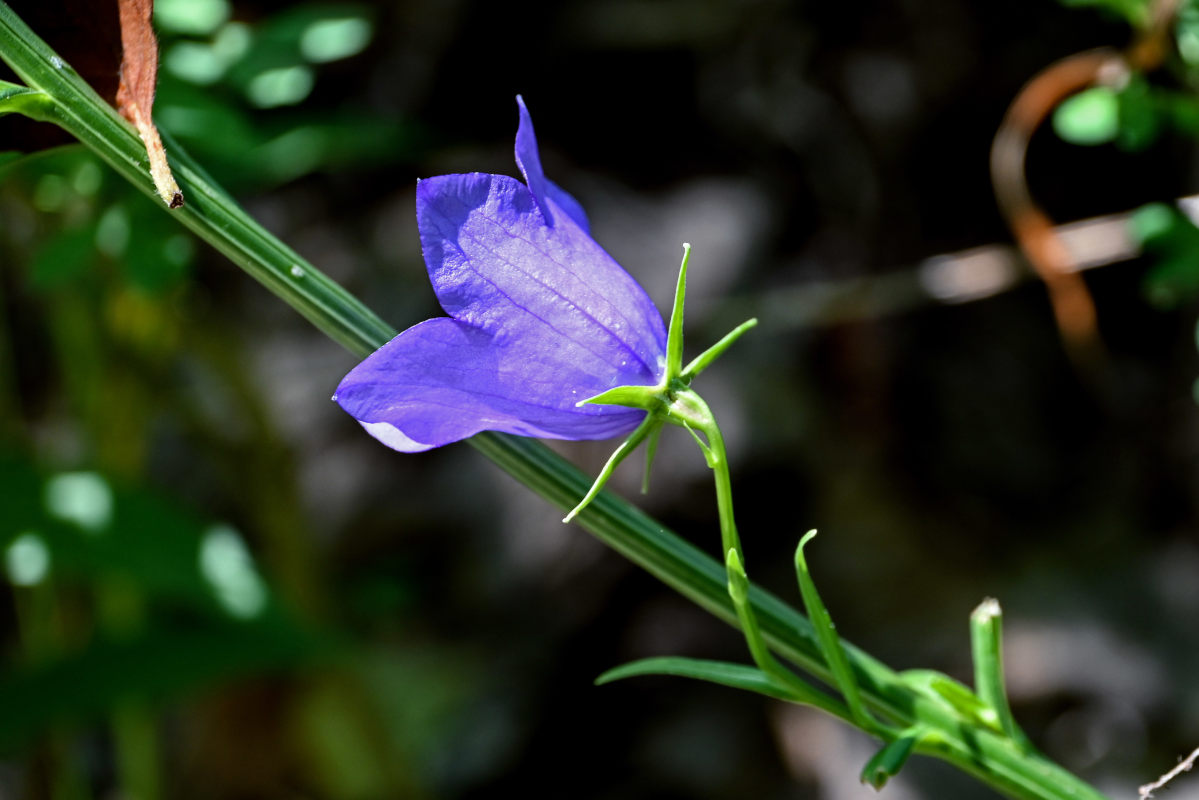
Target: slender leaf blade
[[724, 673]]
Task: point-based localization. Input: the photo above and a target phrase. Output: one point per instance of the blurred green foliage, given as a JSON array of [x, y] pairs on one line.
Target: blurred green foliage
[[126, 603], [1171, 240]]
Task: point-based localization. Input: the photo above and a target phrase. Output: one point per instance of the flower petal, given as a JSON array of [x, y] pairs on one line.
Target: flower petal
[[528, 158], [495, 265], [444, 380]]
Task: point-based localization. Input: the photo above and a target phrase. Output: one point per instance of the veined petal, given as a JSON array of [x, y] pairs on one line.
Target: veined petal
[[528, 158], [497, 266], [445, 380]]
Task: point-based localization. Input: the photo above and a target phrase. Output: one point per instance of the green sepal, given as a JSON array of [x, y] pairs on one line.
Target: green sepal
[[736, 676], [954, 694], [674, 334], [887, 762], [701, 362], [646, 397], [647, 426]]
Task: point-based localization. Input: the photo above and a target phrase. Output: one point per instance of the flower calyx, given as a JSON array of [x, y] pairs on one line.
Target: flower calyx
[[670, 400]]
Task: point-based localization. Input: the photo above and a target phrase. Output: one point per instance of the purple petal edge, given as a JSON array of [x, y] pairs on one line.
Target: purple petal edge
[[528, 158], [442, 381]]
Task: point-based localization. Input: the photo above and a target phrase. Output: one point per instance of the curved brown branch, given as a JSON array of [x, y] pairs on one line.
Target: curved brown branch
[[1032, 228]]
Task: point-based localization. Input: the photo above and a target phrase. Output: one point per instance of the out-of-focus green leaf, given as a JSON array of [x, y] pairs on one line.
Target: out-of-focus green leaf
[[1090, 117], [142, 540], [1186, 32], [1172, 240], [281, 86], [253, 153], [154, 666], [274, 71], [191, 17], [335, 38], [159, 255], [1140, 117], [64, 257]]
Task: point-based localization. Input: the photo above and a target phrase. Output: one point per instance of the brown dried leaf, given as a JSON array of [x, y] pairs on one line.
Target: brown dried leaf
[[135, 94]]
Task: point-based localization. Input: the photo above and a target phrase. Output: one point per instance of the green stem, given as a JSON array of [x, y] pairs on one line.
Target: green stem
[[216, 218], [719, 461], [799, 689], [690, 410]]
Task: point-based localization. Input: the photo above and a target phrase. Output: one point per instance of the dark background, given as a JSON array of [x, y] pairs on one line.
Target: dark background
[[443, 629]]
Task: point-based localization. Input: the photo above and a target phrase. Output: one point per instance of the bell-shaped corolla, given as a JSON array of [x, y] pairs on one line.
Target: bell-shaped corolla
[[540, 318]]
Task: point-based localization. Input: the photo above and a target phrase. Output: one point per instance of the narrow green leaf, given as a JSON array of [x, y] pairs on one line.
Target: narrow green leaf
[[830, 642], [802, 691], [17, 99], [886, 763], [736, 676]]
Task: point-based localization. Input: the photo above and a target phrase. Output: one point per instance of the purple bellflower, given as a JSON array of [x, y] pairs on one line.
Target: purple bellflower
[[540, 319], [546, 335]]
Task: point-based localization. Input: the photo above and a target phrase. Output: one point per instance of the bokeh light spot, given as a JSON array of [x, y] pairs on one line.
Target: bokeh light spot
[[194, 17], [27, 560], [333, 39], [280, 87], [83, 498], [227, 565]]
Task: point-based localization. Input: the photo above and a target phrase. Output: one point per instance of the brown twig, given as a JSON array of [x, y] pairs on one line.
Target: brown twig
[[1185, 765], [1032, 228]]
